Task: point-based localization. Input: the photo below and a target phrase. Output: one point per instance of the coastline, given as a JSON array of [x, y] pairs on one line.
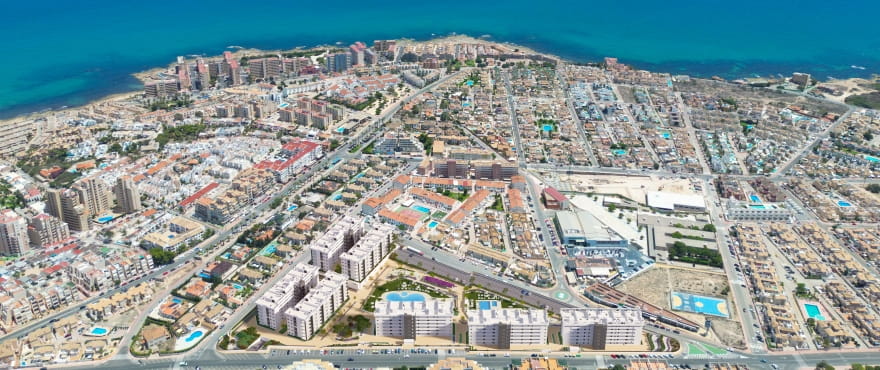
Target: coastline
[[239, 51]]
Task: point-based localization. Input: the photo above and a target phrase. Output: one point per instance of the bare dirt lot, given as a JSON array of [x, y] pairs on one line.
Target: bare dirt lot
[[655, 285]]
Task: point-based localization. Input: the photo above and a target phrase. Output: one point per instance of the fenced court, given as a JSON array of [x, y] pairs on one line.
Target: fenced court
[[699, 304]]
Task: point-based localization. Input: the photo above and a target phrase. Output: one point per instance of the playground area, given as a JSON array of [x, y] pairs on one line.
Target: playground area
[[699, 304]]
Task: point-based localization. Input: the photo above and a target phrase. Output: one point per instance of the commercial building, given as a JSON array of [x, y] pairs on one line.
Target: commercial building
[[128, 198], [317, 307], [410, 320], [367, 253], [338, 239], [45, 230], [504, 328], [600, 327], [286, 293], [553, 199], [675, 202], [582, 230], [13, 233]]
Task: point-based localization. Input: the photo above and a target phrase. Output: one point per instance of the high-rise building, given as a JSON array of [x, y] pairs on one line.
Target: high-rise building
[[14, 137], [357, 51], [600, 327], [53, 202], [338, 239], [317, 306], [72, 211], [13, 233], [161, 88], [338, 62], [370, 250], [45, 230], [128, 198], [409, 320], [506, 327], [285, 294], [95, 195]]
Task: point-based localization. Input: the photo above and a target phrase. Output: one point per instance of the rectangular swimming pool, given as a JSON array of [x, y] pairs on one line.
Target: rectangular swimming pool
[[754, 198], [421, 209], [813, 311]]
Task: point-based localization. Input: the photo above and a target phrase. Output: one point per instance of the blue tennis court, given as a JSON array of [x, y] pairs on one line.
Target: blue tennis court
[[699, 304]]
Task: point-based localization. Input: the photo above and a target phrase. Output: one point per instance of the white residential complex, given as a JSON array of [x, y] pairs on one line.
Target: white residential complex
[[506, 327], [319, 304], [369, 251], [338, 239], [286, 293], [601, 327], [409, 320]]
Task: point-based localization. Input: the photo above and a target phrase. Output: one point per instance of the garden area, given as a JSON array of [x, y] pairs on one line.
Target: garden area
[[701, 256], [476, 294], [396, 285], [352, 324]]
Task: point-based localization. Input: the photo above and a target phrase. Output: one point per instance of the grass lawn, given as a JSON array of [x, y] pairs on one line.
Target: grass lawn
[[695, 350], [714, 350]]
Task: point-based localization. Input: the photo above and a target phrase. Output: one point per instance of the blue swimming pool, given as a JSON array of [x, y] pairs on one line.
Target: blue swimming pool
[[470, 82], [204, 275], [292, 207], [871, 158], [814, 312], [843, 203], [487, 305], [98, 331], [757, 206], [405, 297], [337, 197], [547, 128], [618, 151], [340, 130], [432, 224], [194, 335], [421, 209], [665, 134], [176, 300], [270, 249], [227, 255], [754, 198], [237, 287], [105, 219], [283, 105]]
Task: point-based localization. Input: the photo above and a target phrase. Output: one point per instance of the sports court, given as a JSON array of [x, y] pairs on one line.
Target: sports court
[[699, 304]]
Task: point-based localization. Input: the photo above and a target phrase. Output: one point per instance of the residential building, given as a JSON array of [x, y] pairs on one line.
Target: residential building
[[128, 198], [367, 253], [317, 307], [13, 233], [410, 320], [338, 62], [286, 293], [95, 196], [600, 327], [14, 136], [73, 212], [505, 328], [338, 239], [180, 232], [494, 170], [161, 88], [45, 230]]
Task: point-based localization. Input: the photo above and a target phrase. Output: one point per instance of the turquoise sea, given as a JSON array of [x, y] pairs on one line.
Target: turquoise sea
[[67, 52]]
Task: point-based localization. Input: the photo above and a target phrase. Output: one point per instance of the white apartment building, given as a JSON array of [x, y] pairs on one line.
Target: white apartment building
[[601, 327], [318, 306], [409, 320], [338, 239], [370, 250], [286, 293], [505, 327]]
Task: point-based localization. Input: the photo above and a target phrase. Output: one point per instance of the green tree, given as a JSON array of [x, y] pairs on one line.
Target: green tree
[[709, 227], [161, 256], [874, 188]]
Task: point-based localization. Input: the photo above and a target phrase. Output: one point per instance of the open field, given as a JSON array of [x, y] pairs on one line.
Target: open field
[[631, 187], [656, 284]]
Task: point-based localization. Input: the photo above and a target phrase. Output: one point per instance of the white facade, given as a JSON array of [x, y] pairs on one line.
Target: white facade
[[676, 202], [369, 251], [13, 233], [338, 239], [601, 327], [286, 293], [740, 211], [318, 305], [506, 327], [409, 320]]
